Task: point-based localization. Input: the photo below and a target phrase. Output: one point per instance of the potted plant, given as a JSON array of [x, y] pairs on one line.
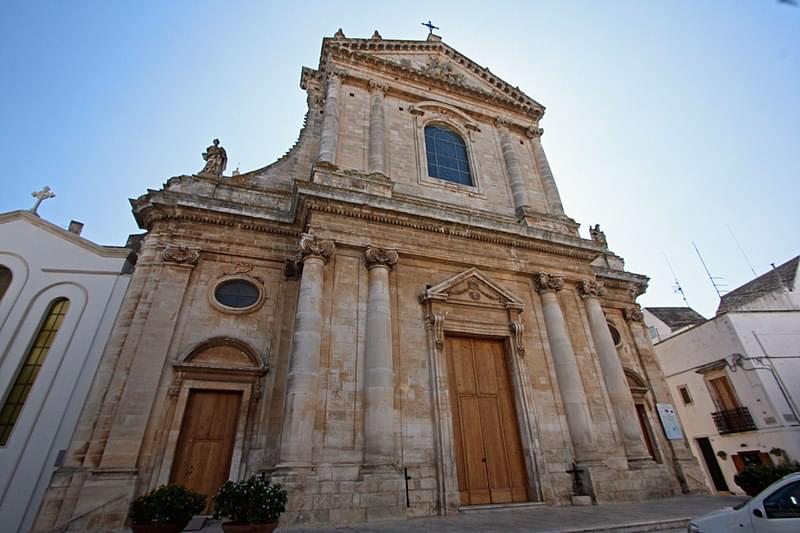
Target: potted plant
[[755, 478], [165, 510], [251, 505]]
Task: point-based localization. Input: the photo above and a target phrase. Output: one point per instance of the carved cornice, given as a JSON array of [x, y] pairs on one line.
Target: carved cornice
[[380, 257], [448, 228], [634, 314], [181, 255], [591, 289], [545, 282]]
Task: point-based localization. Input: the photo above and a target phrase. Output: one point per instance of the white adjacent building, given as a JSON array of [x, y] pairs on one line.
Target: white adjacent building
[[736, 377], [59, 297]]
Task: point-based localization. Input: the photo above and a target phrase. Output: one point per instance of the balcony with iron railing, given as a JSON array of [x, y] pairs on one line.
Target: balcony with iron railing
[[734, 420]]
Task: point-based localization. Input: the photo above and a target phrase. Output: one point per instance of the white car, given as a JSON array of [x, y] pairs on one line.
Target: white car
[[775, 509]]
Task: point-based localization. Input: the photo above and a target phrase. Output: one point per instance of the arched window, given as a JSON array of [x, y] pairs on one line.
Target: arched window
[[37, 353], [5, 280], [447, 155]]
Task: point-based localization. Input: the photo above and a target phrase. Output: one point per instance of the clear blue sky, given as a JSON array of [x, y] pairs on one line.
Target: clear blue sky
[[666, 122]]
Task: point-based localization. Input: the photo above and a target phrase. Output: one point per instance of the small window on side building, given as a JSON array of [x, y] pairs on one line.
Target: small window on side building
[[685, 396]]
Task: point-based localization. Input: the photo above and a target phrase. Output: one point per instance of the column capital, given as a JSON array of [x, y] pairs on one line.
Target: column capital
[[380, 257], [376, 86], [501, 123], [591, 289], [545, 282], [335, 75], [181, 255], [534, 132], [634, 314], [311, 246]]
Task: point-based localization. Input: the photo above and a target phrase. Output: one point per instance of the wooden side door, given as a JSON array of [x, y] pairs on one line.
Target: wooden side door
[[722, 394], [489, 458], [205, 444]]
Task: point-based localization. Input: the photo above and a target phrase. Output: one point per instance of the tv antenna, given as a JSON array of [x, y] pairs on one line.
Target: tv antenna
[[753, 270], [677, 287], [718, 285]]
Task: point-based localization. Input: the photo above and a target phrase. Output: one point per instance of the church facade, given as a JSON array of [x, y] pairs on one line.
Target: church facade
[[395, 319]]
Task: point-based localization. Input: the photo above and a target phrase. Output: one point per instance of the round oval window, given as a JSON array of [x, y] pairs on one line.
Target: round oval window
[[237, 293]]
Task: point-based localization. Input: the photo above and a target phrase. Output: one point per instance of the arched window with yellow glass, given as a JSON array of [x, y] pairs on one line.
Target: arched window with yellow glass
[[16, 396]]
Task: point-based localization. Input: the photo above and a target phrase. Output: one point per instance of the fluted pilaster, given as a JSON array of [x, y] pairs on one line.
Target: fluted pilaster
[[330, 120], [376, 160], [518, 189], [545, 174]]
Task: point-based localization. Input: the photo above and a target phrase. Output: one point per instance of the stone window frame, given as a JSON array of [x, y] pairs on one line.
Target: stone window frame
[[432, 113], [219, 306]]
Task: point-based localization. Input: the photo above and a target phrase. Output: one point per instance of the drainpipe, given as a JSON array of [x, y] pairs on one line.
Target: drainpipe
[[738, 360]]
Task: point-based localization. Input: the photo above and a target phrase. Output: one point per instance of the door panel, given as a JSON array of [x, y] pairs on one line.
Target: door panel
[[205, 445], [489, 457]]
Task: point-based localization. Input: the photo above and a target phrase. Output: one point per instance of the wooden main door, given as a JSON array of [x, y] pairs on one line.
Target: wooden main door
[[489, 458], [205, 445]]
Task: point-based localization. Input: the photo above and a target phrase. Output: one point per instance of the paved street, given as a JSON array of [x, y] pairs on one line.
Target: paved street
[[670, 515]]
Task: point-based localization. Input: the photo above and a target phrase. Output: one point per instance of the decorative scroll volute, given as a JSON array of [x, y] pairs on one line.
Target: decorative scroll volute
[[591, 289], [311, 246], [435, 323], [545, 282], [518, 331], [534, 131], [380, 257], [377, 86], [181, 255]]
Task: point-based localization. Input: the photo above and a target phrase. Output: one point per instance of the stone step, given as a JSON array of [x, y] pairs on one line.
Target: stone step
[[467, 509], [672, 524]]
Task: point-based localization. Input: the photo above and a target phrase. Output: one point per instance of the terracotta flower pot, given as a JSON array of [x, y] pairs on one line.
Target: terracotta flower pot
[[158, 528], [230, 527]]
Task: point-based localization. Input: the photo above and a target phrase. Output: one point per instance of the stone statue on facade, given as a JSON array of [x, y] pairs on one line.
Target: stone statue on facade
[[598, 235], [216, 160]]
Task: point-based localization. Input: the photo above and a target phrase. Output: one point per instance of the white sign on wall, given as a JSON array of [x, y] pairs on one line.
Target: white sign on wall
[[666, 412]]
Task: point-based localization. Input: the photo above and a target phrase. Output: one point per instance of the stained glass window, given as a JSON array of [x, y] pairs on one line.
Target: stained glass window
[[447, 155], [23, 383]]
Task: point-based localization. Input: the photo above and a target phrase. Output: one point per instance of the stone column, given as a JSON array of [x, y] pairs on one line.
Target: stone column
[[301, 388], [546, 175], [619, 393], [518, 189], [573, 395], [330, 120], [376, 161], [378, 364]]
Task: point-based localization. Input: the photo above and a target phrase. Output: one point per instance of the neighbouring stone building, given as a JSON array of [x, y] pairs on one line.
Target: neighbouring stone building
[[59, 296], [394, 319], [736, 377]]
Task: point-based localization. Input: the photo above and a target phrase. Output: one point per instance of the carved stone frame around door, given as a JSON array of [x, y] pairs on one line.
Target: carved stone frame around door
[[472, 304], [236, 368]]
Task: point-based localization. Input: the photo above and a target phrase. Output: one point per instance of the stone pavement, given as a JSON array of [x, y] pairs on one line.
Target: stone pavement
[[669, 514]]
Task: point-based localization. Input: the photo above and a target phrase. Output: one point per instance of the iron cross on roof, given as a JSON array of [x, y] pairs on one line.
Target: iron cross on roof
[[430, 27]]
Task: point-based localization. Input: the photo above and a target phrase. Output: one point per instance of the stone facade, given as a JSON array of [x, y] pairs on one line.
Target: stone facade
[[364, 265]]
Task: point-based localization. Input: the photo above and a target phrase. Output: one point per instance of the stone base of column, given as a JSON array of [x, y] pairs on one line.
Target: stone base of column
[[383, 491], [639, 462], [612, 483]]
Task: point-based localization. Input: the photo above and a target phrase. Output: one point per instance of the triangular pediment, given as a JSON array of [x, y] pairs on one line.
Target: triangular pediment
[[433, 60], [473, 287]]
